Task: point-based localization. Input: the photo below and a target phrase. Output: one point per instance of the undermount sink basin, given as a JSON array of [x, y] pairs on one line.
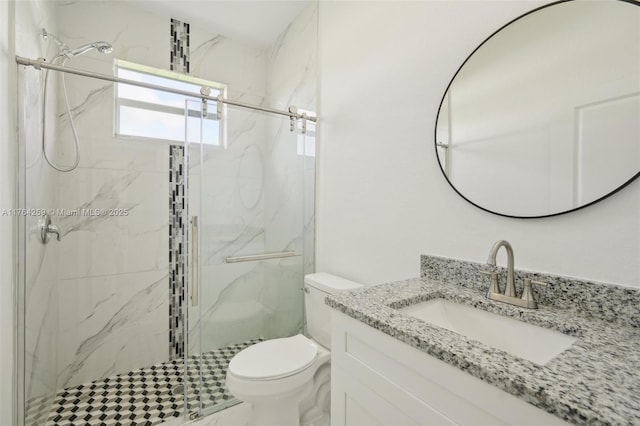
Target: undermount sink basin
[[536, 344]]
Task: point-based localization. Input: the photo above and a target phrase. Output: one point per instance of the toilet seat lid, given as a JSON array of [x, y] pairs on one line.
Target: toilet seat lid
[[275, 358]]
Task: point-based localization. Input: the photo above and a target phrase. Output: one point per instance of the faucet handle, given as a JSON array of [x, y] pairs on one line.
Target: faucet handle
[[540, 283], [490, 270], [527, 293], [46, 228]]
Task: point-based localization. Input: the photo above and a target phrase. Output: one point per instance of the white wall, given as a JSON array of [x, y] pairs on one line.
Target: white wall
[[7, 160], [382, 200]]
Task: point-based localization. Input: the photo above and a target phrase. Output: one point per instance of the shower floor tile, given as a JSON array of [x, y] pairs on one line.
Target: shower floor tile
[[147, 396]]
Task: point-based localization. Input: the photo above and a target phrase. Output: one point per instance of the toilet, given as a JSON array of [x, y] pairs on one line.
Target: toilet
[[286, 380]]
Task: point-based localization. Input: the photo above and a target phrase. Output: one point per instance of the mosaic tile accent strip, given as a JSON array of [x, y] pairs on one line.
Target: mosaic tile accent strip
[[147, 396], [179, 42], [177, 253], [605, 301]]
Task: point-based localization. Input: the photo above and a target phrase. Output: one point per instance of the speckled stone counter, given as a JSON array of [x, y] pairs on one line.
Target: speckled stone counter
[[595, 381], [608, 302]]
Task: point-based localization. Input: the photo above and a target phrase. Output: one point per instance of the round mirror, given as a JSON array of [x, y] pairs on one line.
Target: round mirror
[[543, 118]]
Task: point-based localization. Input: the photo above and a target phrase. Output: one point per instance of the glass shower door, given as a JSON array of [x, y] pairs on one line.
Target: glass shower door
[[94, 292], [247, 189]]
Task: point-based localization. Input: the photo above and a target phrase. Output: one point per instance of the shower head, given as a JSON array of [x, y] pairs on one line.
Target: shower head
[[101, 46]]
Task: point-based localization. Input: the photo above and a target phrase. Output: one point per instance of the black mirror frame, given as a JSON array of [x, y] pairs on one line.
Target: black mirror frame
[[619, 188]]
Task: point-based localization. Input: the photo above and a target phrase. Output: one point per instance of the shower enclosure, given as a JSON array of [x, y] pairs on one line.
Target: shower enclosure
[[172, 255], [247, 212]]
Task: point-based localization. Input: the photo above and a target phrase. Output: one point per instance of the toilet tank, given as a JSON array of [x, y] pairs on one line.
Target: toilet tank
[[318, 314]]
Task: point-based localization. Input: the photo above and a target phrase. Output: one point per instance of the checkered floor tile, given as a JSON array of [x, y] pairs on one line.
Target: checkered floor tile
[[146, 396], [37, 410]]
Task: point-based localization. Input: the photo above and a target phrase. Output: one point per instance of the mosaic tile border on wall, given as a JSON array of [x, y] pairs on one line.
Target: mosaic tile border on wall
[[180, 41], [177, 252]]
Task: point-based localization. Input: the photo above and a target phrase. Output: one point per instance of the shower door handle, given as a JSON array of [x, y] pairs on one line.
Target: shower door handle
[[195, 278]]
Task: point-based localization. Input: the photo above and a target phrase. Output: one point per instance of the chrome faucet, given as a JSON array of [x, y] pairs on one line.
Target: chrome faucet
[[527, 299]]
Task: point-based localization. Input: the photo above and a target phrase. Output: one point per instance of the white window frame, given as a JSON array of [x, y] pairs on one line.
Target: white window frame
[[157, 72]]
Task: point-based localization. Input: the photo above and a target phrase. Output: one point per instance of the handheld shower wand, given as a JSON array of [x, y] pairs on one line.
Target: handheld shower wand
[[101, 46], [65, 53]]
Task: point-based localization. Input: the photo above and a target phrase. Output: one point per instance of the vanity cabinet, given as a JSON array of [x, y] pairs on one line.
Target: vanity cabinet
[[379, 380]]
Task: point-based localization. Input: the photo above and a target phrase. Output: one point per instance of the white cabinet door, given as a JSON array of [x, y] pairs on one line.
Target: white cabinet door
[[357, 404], [378, 380]]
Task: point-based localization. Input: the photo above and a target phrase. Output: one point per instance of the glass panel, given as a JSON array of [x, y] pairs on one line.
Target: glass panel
[[96, 304], [145, 123], [157, 97], [250, 199], [192, 154], [309, 220], [156, 114]]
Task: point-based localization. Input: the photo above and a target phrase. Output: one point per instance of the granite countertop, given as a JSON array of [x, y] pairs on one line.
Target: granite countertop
[[595, 381]]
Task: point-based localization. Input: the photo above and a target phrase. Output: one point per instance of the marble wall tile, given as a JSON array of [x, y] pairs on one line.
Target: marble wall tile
[[92, 108], [242, 67], [111, 324], [116, 173], [227, 228], [136, 35], [292, 62], [40, 324], [283, 297], [243, 301], [91, 100], [141, 36], [284, 212], [231, 306], [41, 259], [113, 244], [282, 156], [245, 129]]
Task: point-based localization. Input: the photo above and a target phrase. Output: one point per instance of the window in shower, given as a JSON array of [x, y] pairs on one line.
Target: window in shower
[[157, 115]]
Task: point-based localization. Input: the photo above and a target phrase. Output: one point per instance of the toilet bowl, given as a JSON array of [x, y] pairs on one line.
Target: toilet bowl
[[275, 376], [286, 379]]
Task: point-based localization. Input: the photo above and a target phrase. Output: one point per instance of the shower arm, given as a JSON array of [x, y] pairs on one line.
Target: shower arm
[[40, 63]]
